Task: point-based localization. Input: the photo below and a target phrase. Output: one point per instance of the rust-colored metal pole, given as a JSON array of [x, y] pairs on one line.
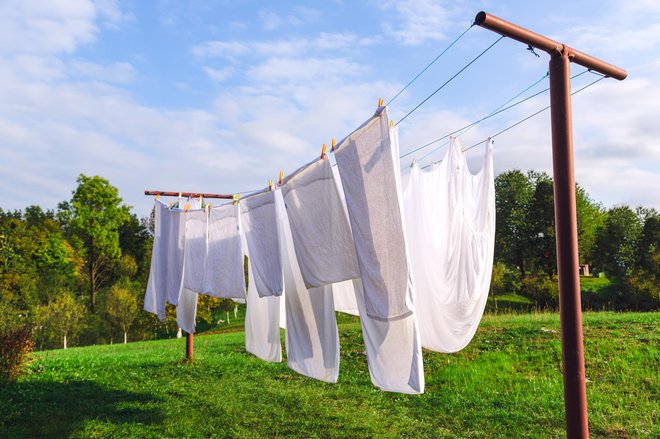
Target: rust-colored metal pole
[[570, 308], [189, 345]]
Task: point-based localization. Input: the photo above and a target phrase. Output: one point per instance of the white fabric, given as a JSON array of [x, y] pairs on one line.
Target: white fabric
[[321, 234], [450, 218], [262, 332], [311, 338], [394, 350], [224, 270], [193, 268], [259, 227], [367, 170], [166, 268]]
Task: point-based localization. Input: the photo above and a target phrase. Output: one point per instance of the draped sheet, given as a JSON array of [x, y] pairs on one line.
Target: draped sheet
[[193, 268], [368, 173], [259, 227], [324, 247], [224, 274], [450, 219], [311, 338], [394, 348], [166, 268], [262, 319]]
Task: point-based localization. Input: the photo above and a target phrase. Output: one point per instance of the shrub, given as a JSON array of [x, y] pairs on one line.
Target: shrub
[[15, 347], [542, 290]]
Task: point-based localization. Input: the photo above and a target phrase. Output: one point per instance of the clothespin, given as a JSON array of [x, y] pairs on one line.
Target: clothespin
[[179, 194], [157, 196], [171, 204], [281, 177], [333, 143], [391, 123], [235, 198], [414, 162], [270, 185], [380, 102], [186, 208], [323, 150], [200, 199]]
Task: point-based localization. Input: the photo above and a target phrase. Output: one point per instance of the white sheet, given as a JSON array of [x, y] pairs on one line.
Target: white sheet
[[324, 247], [450, 219], [224, 270], [193, 267], [368, 175], [166, 268], [259, 227], [312, 339]]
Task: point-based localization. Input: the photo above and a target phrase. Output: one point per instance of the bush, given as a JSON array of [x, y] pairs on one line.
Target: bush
[[542, 290], [15, 347]]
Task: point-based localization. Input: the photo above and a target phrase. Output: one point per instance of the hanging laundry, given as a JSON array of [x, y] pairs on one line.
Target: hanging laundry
[[450, 225], [311, 338], [224, 274], [260, 229], [193, 267], [262, 318], [367, 170], [166, 268], [394, 348], [321, 234]]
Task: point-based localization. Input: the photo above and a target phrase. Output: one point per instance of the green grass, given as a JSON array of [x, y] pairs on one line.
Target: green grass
[[506, 383]]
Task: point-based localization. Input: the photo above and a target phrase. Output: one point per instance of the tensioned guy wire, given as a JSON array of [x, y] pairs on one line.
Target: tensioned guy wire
[[532, 115], [502, 108], [429, 65], [450, 79]]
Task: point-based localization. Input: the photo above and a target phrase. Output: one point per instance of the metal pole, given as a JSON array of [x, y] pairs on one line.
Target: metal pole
[[570, 308], [189, 345]]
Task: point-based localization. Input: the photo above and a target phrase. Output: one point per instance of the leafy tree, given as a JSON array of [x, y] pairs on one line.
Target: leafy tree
[[590, 217], [513, 192], [541, 222], [62, 318], [95, 215], [616, 241], [122, 307]]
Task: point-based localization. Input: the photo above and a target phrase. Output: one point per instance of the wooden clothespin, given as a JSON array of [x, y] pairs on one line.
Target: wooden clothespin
[[200, 199], [380, 102], [323, 150], [281, 177], [171, 204], [391, 123], [186, 208], [270, 185], [157, 196], [333, 144], [235, 198]]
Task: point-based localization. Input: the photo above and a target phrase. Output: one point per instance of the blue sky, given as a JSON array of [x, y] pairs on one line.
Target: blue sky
[[218, 96]]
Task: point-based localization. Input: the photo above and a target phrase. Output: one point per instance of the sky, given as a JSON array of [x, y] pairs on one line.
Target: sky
[[219, 96]]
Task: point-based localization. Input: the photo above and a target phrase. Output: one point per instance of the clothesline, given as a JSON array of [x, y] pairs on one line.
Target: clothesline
[[189, 194]]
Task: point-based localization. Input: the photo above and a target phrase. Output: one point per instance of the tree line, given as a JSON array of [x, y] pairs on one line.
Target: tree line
[[77, 274], [620, 246]]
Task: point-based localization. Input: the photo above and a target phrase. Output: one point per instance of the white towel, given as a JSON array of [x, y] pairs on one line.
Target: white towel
[[166, 268], [311, 339], [224, 270], [450, 221], [260, 229], [321, 233], [262, 331], [193, 268], [367, 170]]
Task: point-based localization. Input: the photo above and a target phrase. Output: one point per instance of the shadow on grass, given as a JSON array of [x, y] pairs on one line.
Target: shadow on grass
[[53, 409]]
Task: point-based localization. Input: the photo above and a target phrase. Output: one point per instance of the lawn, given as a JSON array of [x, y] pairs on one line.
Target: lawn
[[506, 383]]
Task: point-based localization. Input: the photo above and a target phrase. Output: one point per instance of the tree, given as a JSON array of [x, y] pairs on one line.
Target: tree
[[513, 192], [541, 222], [62, 318], [616, 241], [122, 307], [95, 215], [590, 217]]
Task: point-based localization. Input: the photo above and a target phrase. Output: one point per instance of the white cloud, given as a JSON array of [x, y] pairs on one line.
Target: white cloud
[[219, 75], [414, 22], [120, 72], [300, 16]]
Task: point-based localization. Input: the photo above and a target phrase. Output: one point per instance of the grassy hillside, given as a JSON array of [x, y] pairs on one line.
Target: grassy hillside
[[507, 383]]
